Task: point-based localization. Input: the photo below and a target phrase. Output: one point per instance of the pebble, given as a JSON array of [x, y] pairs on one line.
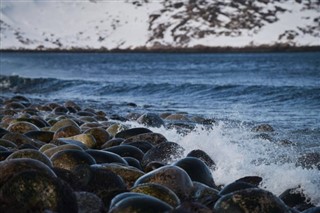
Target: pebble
[[62, 157]]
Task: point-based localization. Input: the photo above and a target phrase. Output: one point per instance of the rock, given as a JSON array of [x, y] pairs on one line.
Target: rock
[[126, 151], [101, 156], [36, 191], [129, 174], [203, 156], [309, 160], [158, 191], [22, 127], [144, 146], [312, 210], [114, 129], [43, 136], [69, 177], [8, 144], [163, 153], [102, 182], [30, 153], [190, 207], [254, 180], [39, 122], [70, 159], [100, 135], [292, 197], [133, 162], [10, 168], [89, 203], [263, 128], [66, 132], [152, 166], [87, 139], [112, 142], [177, 117], [19, 139], [235, 186], [123, 196], [172, 177], [151, 119], [65, 141], [197, 170], [151, 137], [125, 134], [63, 123], [3, 132], [46, 147], [141, 204], [204, 194], [251, 200]]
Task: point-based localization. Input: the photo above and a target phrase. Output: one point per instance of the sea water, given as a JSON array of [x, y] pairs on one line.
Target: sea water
[[239, 91]]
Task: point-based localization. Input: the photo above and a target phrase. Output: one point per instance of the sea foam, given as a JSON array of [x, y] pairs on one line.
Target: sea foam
[[238, 154]]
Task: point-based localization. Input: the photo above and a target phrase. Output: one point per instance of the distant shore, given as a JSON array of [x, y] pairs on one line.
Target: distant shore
[[167, 49]]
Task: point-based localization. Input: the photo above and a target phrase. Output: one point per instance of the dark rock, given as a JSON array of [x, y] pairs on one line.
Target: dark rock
[[133, 162], [144, 146], [67, 131], [102, 182], [101, 135], [112, 142], [70, 159], [164, 153], [190, 207], [150, 119], [152, 166], [254, 180], [235, 186], [292, 197], [312, 210], [309, 160], [202, 155], [19, 139], [143, 203], [263, 128], [9, 168], [172, 177], [22, 127], [89, 203], [151, 137], [158, 191], [251, 200], [30, 153], [204, 194], [40, 192], [129, 174], [126, 151], [101, 156], [132, 132], [44, 136], [197, 170]]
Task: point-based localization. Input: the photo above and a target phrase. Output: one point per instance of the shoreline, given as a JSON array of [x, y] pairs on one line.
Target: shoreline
[[95, 162], [281, 48]]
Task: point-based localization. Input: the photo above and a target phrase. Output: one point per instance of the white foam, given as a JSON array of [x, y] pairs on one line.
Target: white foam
[[234, 150]]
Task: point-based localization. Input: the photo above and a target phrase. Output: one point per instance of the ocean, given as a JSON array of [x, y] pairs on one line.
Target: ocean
[[237, 90]]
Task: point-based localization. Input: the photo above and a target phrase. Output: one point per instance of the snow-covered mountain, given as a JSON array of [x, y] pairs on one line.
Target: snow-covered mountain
[[157, 24]]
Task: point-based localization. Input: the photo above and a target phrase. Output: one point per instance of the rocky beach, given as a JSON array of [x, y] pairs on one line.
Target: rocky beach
[[63, 157]]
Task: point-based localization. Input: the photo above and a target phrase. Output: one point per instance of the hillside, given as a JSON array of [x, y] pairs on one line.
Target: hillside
[[157, 24]]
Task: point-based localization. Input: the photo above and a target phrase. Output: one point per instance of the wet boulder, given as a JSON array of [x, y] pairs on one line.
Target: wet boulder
[[172, 177], [251, 200]]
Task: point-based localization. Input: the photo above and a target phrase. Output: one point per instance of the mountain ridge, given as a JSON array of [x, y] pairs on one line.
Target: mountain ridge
[[164, 25]]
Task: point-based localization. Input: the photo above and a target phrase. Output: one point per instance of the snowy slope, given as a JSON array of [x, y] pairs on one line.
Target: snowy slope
[[152, 24]]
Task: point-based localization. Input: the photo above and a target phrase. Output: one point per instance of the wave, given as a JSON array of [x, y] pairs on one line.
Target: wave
[[232, 92]]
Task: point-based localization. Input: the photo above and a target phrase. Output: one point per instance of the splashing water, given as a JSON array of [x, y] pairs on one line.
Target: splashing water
[[238, 154]]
